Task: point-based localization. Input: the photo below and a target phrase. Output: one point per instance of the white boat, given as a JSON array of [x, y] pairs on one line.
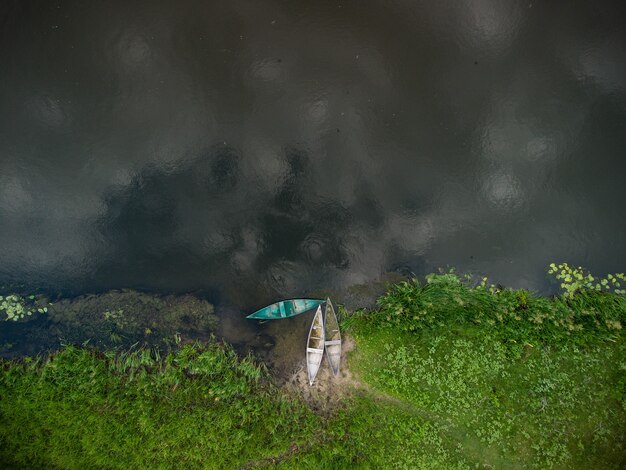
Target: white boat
[[332, 336], [315, 345]]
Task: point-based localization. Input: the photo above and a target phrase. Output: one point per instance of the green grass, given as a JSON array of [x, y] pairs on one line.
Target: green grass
[[506, 406], [507, 390], [454, 377], [375, 432], [198, 407]]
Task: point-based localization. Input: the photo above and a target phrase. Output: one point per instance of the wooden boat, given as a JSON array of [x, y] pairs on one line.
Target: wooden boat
[[285, 309], [315, 345], [332, 337]]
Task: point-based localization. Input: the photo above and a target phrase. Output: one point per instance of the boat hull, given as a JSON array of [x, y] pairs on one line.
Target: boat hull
[[332, 338], [315, 346], [285, 309]]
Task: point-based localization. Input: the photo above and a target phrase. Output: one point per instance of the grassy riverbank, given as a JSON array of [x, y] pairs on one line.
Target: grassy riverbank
[[449, 375], [197, 407]]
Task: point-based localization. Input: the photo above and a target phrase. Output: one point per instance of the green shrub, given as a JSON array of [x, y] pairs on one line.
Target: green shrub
[[514, 315]]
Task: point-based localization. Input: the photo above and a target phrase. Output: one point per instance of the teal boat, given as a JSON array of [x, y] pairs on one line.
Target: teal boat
[[286, 309]]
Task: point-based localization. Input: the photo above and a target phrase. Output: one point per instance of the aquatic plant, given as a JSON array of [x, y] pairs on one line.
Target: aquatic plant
[[16, 307], [121, 318], [575, 280]]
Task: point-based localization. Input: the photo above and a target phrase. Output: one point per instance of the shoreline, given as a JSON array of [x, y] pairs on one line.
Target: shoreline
[[445, 373]]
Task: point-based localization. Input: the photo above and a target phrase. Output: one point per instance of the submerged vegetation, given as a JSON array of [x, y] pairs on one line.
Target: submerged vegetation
[[128, 316], [114, 319], [452, 373]]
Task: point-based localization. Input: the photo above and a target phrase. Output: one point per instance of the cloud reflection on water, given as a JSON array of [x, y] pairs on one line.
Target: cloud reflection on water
[[266, 150]]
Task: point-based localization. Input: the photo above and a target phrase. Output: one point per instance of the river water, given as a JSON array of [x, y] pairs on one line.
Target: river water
[[253, 150]]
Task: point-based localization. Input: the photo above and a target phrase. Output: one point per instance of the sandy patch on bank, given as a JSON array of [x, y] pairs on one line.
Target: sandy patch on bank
[[285, 357], [327, 391]]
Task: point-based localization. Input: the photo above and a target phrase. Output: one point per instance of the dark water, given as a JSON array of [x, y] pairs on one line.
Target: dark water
[[262, 149]]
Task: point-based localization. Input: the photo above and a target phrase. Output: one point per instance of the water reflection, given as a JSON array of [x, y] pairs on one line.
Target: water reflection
[[263, 149], [47, 110], [503, 191]]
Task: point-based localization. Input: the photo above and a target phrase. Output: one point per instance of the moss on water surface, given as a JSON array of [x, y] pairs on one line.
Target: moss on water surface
[[448, 375]]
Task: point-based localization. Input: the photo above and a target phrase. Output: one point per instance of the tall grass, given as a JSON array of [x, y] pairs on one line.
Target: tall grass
[[199, 407], [513, 315]]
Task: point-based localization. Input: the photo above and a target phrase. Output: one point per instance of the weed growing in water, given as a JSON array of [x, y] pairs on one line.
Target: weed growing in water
[[17, 307], [575, 280]]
